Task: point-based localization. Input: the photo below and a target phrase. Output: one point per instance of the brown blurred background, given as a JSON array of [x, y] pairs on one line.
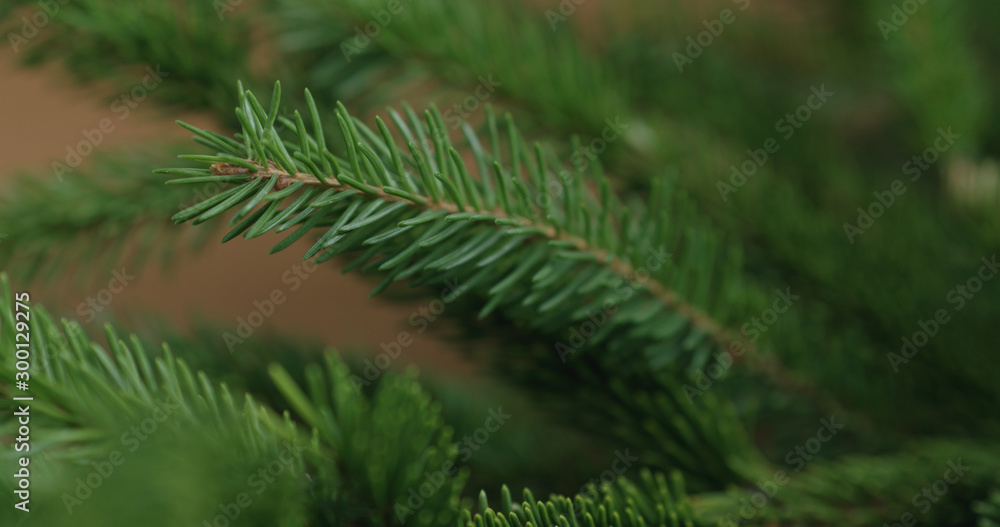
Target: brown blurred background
[[44, 110]]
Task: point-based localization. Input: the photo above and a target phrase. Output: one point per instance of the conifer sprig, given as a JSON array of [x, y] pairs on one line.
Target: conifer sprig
[[123, 412], [549, 246], [111, 212], [650, 499]]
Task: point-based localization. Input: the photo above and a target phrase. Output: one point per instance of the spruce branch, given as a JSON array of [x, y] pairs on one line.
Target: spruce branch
[[545, 258], [650, 499], [97, 217], [104, 39], [114, 413], [668, 429], [620, 267], [97, 402], [548, 73], [861, 490]]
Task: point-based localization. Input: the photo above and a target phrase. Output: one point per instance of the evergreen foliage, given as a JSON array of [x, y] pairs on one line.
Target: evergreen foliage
[[615, 294]]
